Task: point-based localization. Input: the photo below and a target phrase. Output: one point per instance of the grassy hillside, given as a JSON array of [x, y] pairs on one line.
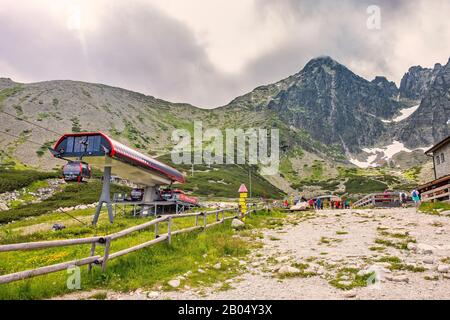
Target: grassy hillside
[[224, 180]]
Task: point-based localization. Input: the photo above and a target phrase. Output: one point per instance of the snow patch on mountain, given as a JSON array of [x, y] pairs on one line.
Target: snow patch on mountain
[[383, 154], [404, 114]]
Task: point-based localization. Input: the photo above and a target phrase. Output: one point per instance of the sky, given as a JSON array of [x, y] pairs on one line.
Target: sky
[[207, 52]]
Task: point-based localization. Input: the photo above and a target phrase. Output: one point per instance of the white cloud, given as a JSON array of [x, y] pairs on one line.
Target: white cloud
[[207, 52]]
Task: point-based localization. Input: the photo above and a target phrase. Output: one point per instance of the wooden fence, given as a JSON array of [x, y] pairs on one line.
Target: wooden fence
[[106, 241], [388, 199], [440, 193]]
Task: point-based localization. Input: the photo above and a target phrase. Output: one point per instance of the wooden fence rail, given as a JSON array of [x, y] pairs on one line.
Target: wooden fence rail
[[108, 239], [386, 199]]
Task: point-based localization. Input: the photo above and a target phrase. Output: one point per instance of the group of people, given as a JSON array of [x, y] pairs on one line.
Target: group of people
[[415, 196], [319, 203]]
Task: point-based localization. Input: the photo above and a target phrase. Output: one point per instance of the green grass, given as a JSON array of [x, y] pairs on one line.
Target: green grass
[[354, 279], [398, 265], [434, 207], [12, 179], [72, 195], [145, 268], [358, 184]]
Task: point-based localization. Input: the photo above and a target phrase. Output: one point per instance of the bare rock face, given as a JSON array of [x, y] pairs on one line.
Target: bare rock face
[[430, 123], [331, 103], [388, 88], [416, 81]]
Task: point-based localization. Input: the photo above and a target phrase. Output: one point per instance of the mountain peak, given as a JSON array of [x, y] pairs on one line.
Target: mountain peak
[[322, 60]]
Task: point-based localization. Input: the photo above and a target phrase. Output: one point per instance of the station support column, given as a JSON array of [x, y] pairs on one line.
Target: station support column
[[105, 196]]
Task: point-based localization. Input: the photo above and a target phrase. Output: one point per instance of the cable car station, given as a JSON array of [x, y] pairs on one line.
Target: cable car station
[[96, 149]]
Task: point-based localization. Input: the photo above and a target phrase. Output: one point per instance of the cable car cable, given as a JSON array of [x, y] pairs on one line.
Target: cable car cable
[[29, 122], [19, 137]]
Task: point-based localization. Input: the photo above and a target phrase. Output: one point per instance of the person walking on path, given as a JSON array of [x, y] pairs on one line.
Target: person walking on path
[[403, 199], [416, 198]]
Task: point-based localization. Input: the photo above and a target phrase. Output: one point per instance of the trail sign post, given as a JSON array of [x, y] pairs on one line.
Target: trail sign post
[[243, 194]]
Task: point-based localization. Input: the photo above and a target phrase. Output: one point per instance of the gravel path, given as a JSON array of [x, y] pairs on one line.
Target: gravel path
[[299, 260]]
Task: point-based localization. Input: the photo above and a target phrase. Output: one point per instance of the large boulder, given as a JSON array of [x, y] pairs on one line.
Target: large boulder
[[237, 224]]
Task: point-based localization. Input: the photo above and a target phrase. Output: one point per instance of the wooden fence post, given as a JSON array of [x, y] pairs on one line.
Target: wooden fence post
[[94, 244], [169, 230], [204, 219], [196, 220], [106, 253], [156, 230], [217, 216]]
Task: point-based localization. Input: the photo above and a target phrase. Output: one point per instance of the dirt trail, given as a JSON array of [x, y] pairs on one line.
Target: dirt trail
[[321, 246]]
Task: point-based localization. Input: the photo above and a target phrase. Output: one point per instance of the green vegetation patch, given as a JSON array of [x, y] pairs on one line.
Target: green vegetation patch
[[74, 194], [12, 179]]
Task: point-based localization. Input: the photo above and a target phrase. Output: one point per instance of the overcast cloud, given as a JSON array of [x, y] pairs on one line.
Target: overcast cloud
[[207, 52]]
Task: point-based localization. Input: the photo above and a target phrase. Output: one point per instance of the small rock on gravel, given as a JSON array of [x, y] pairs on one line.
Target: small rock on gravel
[[443, 268], [218, 266], [400, 279], [152, 294], [428, 260], [349, 294], [175, 283], [425, 248], [288, 269]]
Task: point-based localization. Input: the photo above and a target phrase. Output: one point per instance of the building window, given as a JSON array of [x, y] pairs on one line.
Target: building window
[[442, 158], [438, 160]]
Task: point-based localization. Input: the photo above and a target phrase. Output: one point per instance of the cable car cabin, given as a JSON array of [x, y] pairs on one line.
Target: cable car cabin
[[177, 195], [76, 171], [99, 150], [137, 194]]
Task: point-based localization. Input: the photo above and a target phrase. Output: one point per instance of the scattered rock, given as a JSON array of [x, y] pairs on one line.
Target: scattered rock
[[443, 268], [400, 279], [282, 259], [287, 270], [152, 294], [3, 206], [349, 294], [58, 226], [411, 246], [428, 260], [175, 283], [201, 271], [237, 224], [425, 248], [217, 266]]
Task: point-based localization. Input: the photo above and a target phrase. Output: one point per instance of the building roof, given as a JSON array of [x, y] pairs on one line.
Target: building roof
[[437, 146], [431, 183]]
